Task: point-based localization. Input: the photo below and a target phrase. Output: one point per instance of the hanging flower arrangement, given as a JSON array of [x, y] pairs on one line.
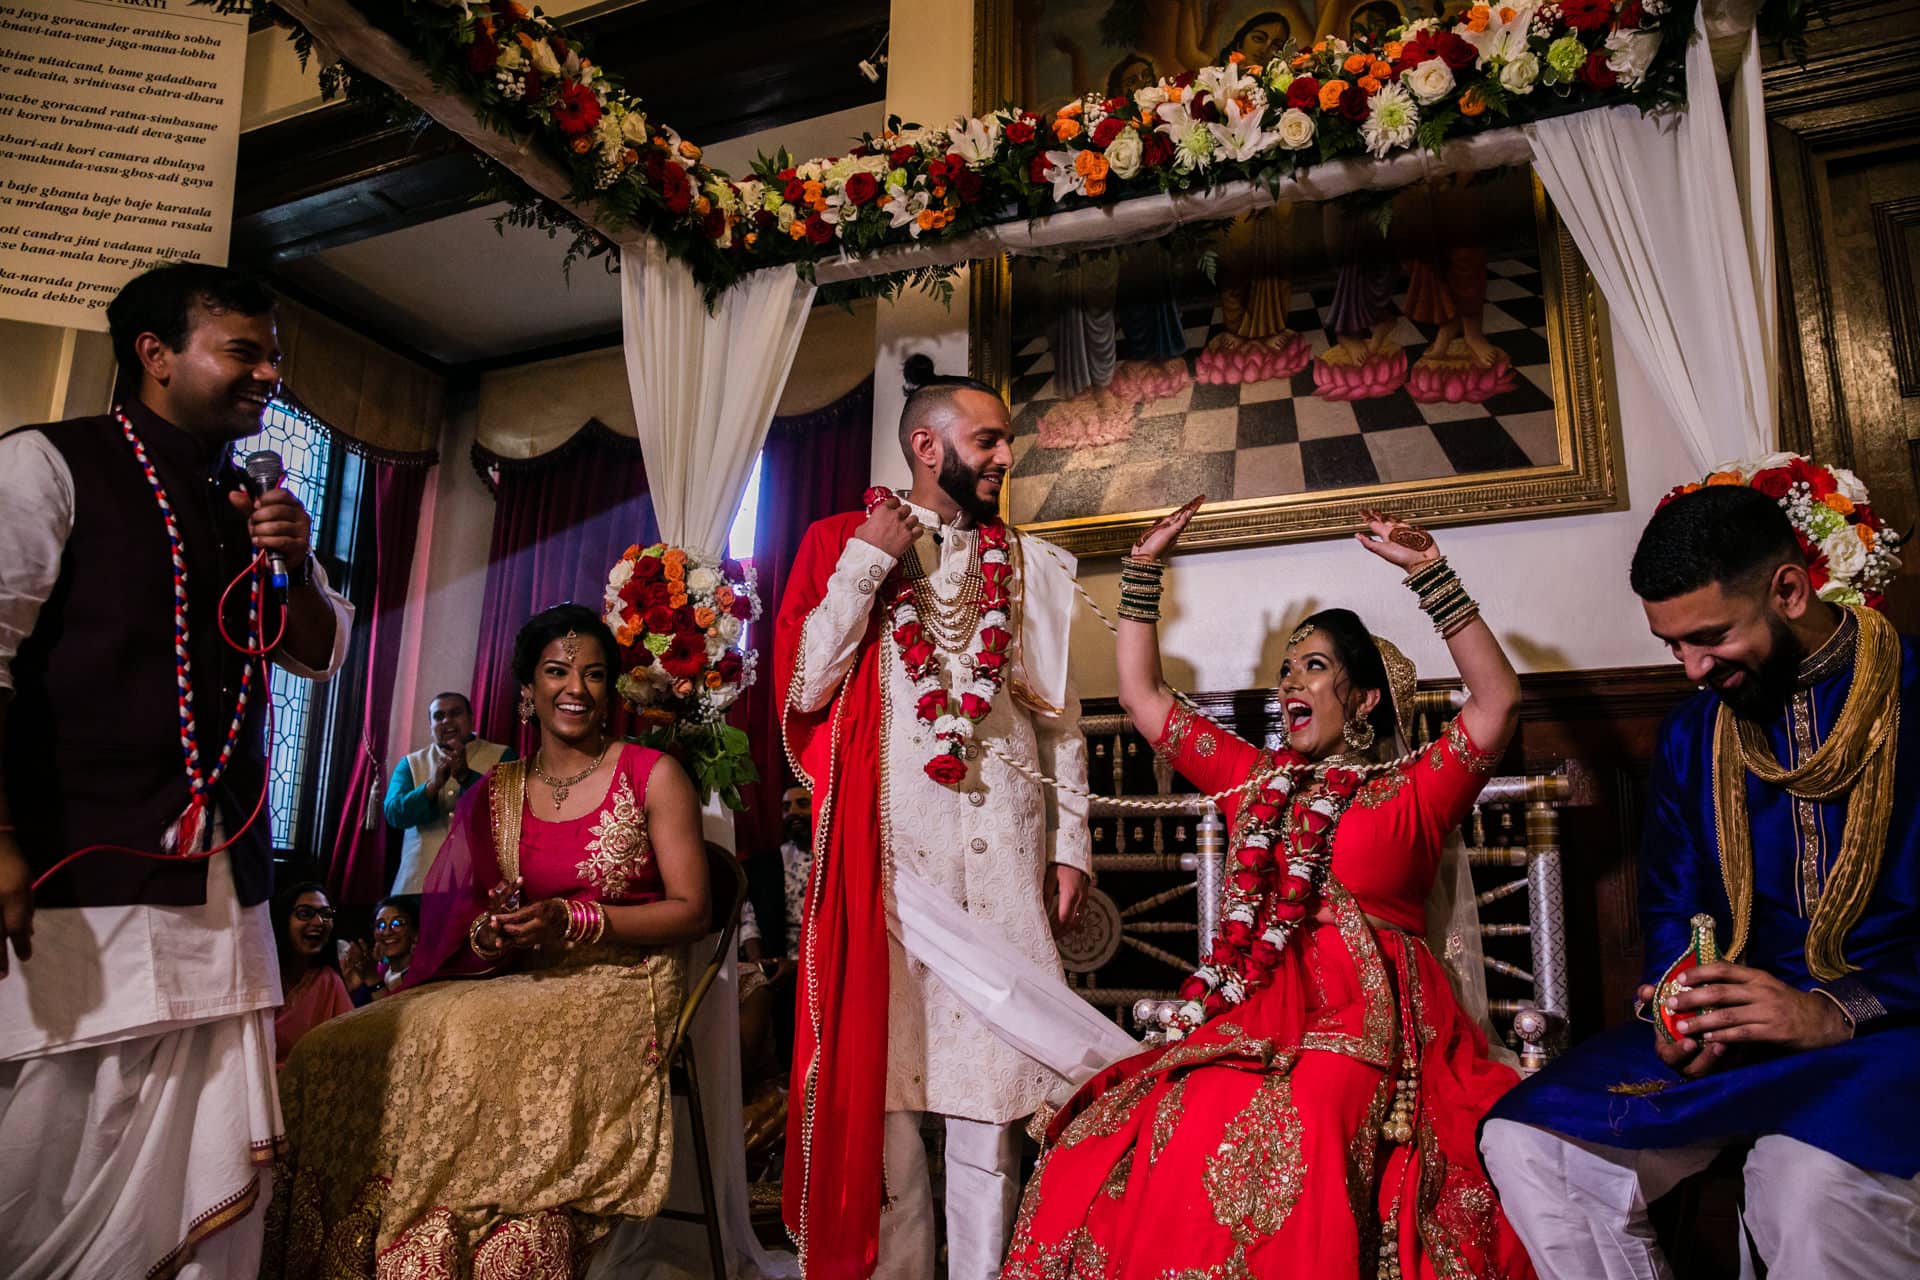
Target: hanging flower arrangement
[[1417, 86], [1851, 553], [681, 623]]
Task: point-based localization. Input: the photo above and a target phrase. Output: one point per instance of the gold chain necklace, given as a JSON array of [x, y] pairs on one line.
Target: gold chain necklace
[[950, 623], [561, 786]]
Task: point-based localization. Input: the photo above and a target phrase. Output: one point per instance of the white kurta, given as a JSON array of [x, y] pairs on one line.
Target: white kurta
[[986, 843]]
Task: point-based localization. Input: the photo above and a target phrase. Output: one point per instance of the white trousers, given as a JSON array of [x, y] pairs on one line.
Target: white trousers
[[1581, 1208], [128, 1157], [983, 1195]]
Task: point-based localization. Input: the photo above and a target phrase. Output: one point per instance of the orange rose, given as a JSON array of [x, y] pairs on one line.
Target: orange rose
[[1472, 104], [1252, 68], [723, 597], [627, 633], [712, 679], [1394, 49], [1065, 128], [1091, 165], [1096, 186], [688, 150], [814, 194], [1838, 501], [1380, 70], [1867, 535], [1725, 477], [797, 230], [631, 552], [926, 219], [1301, 60], [703, 617], [1069, 111], [674, 556], [677, 599], [1356, 63], [703, 206], [1478, 17], [1236, 57], [1319, 46], [1369, 85], [1506, 13], [752, 238], [681, 688], [1330, 94]]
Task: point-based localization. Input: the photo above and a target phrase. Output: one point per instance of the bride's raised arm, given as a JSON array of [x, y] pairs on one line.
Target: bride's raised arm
[[1143, 690]]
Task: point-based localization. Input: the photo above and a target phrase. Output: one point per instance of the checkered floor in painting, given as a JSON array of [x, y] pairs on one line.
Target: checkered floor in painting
[[1266, 439]]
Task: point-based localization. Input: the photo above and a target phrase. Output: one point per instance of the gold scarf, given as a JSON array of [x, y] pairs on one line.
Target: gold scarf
[[1857, 757], [508, 784]]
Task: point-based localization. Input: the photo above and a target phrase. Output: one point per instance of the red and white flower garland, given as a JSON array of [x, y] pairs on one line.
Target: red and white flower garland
[[953, 714], [188, 833], [1271, 888]]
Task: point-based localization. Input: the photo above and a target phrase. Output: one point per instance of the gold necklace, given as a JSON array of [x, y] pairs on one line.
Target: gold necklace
[[951, 623], [561, 786]]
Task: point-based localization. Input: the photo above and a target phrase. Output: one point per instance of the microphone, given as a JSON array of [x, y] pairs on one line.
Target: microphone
[[265, 471]]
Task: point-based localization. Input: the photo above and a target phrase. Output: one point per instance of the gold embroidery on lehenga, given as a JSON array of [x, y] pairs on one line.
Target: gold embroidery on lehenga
[[1115, 1187], [619, 849], [1482, 763], [1232, 1267], [536, 1247], [1255, 1178], [1109, 1112], [1363, 1163], [1381, 791], [1166, 1118], [427, 1250], [1374, 1045], [1078, 1257], [1435, 1236]]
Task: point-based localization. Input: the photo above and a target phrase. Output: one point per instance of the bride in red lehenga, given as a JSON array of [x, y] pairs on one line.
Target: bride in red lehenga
[[1313, 1112]]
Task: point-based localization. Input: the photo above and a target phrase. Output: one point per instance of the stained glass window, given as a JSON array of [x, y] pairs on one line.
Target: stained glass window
[[306, 448]]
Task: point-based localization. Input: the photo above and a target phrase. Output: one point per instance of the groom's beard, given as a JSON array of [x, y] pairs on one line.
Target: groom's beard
[[1763, 695], [962, 483]]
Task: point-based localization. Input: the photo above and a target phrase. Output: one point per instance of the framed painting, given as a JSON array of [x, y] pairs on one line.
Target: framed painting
[[1440, 354]]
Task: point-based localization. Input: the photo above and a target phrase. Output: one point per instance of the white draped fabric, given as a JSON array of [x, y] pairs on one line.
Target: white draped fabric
[[704, 384], [1681, 248]]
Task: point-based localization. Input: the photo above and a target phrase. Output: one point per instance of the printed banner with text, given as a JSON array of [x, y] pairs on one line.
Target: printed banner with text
[[119, 131]]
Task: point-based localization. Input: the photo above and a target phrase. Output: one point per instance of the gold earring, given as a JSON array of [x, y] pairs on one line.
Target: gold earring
[[526, 705], [1359, 734]]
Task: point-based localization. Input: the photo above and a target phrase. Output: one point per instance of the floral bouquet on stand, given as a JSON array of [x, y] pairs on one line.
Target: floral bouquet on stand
[[1851, 554], [681, 623]]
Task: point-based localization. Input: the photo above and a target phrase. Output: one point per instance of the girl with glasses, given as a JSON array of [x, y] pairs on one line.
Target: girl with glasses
[[309, 966]]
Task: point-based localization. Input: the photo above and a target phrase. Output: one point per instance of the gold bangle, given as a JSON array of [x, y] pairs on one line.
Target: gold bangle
[[473, 940]]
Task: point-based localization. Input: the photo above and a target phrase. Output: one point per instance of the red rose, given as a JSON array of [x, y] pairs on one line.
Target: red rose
[[974, 707], [1114, 106], [1415, 51], [1874, 600], [763, 218], [997, 573], [989, 662], [686, 657], [1315, 823], [1863, 514], [535, 85], [861, 188], [969, 185], [917, 656], [1193, 988], [1774, 481], [1018, 132], [1252, 855], [1290, 912], [1249, 882], [1261, 811], [899, 156], [1343, 783], [713, 224], [1457, 53], [648, 569], [659, 621], [577, 111], [742, 608], [1294, 889], [947, 770], [995, 639], [907, 634], [1158, 153], [640, 656], [1238, 933], [1587, 15], [1264, 954], [1186, 78], [481, 55], [818, 232], [1037, 169], [1107, 130], [1596, 73], [731, 665], [1216, 1004], [933, 705], [794, 192], [1303, 94], [1353, 103], [683, 620]]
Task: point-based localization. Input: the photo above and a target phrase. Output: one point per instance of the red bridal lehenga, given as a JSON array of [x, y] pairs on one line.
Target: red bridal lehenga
[[1254, 1147]]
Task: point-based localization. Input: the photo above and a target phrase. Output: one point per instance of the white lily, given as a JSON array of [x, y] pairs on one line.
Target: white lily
[[1060, 172], [1243, 137], [974, 140], [903, 208], [1501, 41]]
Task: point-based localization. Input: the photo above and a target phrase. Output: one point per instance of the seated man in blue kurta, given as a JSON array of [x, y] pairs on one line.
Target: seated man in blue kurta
[[1781, 803]]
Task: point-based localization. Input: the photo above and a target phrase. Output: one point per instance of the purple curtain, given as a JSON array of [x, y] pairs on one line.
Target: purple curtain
[[559, 522], [814, 465], [357, 870]]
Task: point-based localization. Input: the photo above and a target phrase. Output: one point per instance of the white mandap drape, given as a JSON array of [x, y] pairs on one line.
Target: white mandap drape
[[1672, 213]]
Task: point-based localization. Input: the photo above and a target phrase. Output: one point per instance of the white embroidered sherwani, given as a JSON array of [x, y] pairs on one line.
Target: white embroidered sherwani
[[987, 842]]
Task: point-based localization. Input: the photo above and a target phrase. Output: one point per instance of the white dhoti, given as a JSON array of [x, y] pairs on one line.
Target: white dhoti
[[1581, 1208], [138, 1107]]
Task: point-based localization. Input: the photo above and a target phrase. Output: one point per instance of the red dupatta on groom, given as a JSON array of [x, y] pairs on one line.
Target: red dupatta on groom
[[833, 1181]]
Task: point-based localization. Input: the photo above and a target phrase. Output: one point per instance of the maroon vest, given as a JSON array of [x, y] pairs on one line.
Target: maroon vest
[[93, 733]]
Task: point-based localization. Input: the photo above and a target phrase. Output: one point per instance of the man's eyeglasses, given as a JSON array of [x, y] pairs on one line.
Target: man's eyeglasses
[[304, 913]]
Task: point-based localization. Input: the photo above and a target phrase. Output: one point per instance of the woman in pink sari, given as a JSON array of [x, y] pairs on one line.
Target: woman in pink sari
[[303, 928], [498, 1127]]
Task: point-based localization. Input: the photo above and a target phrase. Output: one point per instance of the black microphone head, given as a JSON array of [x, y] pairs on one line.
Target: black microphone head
[[264, 471]]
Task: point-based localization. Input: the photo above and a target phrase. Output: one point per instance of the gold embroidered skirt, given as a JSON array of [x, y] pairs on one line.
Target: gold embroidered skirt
[[476, 1127]]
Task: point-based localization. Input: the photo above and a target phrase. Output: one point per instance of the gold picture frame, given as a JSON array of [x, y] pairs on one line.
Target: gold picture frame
[[1584, 476]]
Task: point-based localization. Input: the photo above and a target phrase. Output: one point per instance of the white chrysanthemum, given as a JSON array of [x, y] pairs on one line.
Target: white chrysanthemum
[[702, 581], [1192, 140], [1392, 119], [1431, 81]]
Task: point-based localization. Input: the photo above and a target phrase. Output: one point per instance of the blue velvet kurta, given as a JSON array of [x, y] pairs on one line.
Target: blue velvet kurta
[[1859, 1100]]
